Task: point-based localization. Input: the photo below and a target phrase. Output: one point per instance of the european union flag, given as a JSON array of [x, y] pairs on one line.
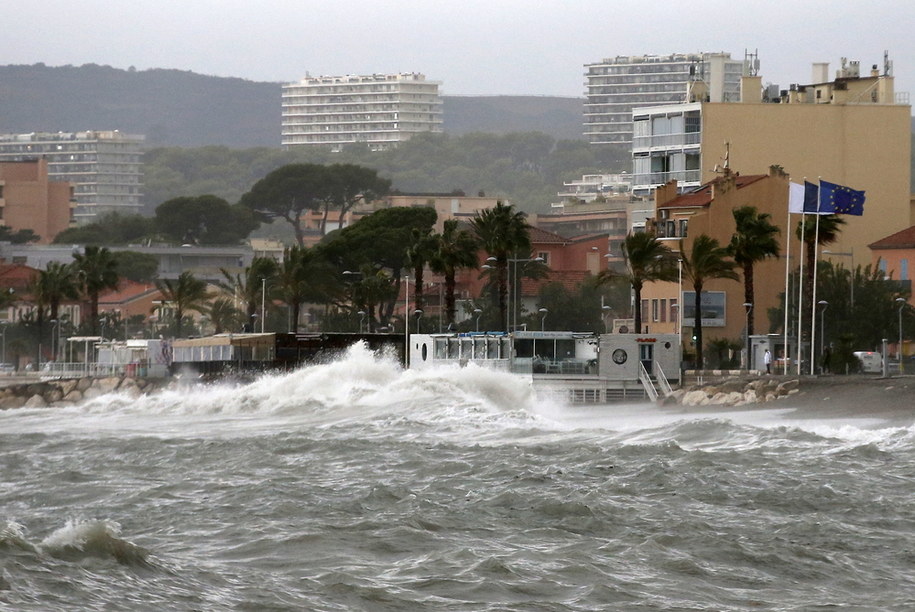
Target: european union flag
[[841, 200]]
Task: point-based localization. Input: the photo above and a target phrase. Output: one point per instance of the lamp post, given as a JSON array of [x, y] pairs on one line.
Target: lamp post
[[605, 312], [901, 302], [746, 332], [544, 312], [263, 302], [824, 305], [419, 315], [361, 314], [478, 312], [54, 336], [3, 337], [851, 276]]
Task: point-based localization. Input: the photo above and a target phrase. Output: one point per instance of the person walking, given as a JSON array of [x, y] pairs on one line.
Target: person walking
[[767, 359]]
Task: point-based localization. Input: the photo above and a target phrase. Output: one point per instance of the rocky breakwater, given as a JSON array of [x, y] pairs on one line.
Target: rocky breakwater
[[66, 392], [734, 392]]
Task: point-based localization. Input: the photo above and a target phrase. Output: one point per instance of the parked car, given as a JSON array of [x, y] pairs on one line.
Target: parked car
[[871, 362]]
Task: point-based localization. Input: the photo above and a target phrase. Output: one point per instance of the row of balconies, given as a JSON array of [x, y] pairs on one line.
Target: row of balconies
[[691, 139]]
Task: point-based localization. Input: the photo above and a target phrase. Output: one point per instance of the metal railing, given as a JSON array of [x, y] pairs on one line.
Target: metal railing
[[662, 381], [645, 379]]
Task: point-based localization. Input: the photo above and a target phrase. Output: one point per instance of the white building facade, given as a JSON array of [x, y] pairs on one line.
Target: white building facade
[[105, 167], [617, 85], [377, 110]]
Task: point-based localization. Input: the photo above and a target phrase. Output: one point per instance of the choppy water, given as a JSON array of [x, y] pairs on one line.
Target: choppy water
[[356, 486]]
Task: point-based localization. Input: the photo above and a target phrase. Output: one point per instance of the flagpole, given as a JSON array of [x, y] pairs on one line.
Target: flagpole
[[787, 294], [800, 291], [813, 300]]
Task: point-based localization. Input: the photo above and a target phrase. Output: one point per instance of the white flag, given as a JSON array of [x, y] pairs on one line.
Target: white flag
[[795, 198]]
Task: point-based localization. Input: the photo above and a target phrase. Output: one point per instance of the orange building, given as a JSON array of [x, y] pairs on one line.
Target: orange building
[[30, 200]]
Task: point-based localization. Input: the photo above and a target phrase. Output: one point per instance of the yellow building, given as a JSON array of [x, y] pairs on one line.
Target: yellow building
[[708, 210], [854, 131]]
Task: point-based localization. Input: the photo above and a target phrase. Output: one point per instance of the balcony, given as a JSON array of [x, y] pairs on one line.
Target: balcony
[[653, 179], [690, 139]]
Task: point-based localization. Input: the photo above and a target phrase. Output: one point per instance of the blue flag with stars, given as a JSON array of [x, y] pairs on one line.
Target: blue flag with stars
[[840, 200]]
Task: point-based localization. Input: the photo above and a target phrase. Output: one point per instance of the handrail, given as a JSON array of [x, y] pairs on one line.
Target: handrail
[[646, 383], [662, 381]]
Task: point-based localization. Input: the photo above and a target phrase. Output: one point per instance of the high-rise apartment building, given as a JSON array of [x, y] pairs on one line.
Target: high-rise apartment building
[[377, 110], [617, 85], [105, 167]]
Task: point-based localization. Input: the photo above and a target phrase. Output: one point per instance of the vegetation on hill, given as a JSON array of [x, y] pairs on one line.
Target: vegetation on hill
[[177, 108], [527, 169]]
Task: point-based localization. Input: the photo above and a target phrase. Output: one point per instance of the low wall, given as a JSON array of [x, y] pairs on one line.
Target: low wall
[[70, 391]]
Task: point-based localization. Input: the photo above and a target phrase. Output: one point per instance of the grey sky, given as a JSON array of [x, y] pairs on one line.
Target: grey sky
[[473, 46]]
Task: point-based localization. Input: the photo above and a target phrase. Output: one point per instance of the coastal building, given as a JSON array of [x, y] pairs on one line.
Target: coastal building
[[595, 187], [377, 110], [894, 255], [30, 200], [709, 210], [616, 85], [105, 167], [854, 130]]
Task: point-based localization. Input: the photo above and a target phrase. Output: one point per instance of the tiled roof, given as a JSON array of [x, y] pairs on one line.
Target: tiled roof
[[540, 236], [900, 240], [702, 195]]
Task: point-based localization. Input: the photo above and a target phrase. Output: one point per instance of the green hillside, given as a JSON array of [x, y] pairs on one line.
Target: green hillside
[[175, 108]]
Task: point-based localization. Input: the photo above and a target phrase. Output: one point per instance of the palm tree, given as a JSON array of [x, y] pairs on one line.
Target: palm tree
[[302, 276], [184, 294], [419, 253], [96, 270], [224, 315], [647, 260], [454, 250], [706, 261], [250, 285], [504, 234], [55, 284], [754, 240]]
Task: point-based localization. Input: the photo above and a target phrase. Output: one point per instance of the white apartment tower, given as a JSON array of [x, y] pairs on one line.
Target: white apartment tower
[[105, 167], [617, 85], [378, 110]]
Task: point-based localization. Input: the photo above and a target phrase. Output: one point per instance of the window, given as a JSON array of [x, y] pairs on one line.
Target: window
[[903, 267], [644, 312], [545, 256], [654, 309], [673, 310], [683, 225], [663, 317]]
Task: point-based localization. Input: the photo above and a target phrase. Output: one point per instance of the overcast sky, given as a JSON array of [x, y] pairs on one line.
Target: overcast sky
[[474, 47]]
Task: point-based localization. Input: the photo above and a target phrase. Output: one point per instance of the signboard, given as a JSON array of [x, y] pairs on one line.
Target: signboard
[[713, 308]]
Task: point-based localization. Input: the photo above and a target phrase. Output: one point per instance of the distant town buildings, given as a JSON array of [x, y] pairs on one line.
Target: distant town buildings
[[377, 110], [617, 85], [105, 167], [29, 200]]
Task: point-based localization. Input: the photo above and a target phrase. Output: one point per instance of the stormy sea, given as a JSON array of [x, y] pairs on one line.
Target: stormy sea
[[355, 485]]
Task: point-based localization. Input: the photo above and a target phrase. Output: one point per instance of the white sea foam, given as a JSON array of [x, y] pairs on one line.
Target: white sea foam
[[360, 386]]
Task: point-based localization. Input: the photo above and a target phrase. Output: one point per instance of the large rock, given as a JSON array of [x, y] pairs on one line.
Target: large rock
[[73, 396], [36, 401], [694, 397]]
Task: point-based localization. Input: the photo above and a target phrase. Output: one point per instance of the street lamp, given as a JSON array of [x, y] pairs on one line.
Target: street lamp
[[824, 305], [3, 337], [544, 312], [419, 315], [901, 302], [361, 314], [54, 335], [478, 312], [263, 302], [605, 312], [746, 331], [851, 276]]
